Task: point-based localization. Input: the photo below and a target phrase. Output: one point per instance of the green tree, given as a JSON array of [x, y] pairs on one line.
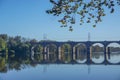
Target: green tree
[[11, 45], [18, 39], [18, 46], [4, 37], [2, 45], [23, 50], [38, 49], [89, 11]]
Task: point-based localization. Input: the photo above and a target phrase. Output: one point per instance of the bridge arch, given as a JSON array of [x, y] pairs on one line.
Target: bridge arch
[[80, 52], [97, 52], [66, 52], [51, 52], [113, 51], [37, 52]]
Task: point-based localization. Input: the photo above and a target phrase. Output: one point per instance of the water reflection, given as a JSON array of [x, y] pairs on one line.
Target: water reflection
[[114, 57], [18, 63], [23, 67], [64, 72], [98, 57]]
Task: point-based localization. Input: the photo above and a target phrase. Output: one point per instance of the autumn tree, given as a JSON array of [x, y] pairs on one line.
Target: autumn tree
[[89, 11]]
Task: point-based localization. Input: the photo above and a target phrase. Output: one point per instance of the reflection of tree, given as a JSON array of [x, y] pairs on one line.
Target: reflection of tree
[[15, 65], [38, 57], [3, 67]]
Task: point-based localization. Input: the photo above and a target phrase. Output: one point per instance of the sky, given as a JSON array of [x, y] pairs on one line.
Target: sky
[[27, 18]]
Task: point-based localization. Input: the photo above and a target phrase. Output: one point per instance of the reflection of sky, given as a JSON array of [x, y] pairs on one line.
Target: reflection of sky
[[115, 58], [66, 72]]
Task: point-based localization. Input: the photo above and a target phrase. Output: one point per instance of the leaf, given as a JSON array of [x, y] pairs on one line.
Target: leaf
[[112, 10], [94, 9], [70, 28], [94, 26]]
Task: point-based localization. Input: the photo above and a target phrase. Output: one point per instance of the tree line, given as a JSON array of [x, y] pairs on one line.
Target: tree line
[[15, 46]]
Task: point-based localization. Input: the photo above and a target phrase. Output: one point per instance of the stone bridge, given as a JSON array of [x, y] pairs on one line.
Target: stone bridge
[[88, 45]]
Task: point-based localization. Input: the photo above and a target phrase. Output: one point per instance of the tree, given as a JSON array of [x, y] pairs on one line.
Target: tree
[[90, 11], [4, 37], [18, 39], [2, 45], [38, 49]]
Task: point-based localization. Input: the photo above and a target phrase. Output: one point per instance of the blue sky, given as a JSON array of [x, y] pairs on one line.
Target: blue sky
[[28, 18]]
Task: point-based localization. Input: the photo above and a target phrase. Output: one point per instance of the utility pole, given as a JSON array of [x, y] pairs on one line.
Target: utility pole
[[44, 36], [89, 36]]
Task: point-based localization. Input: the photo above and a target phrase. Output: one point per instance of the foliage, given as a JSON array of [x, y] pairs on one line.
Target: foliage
[[2, 45], [89, 11], [4, 37], [38, 48]]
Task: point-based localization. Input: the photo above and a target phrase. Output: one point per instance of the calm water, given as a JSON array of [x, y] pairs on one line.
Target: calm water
[[16, 70], [65, 72]]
